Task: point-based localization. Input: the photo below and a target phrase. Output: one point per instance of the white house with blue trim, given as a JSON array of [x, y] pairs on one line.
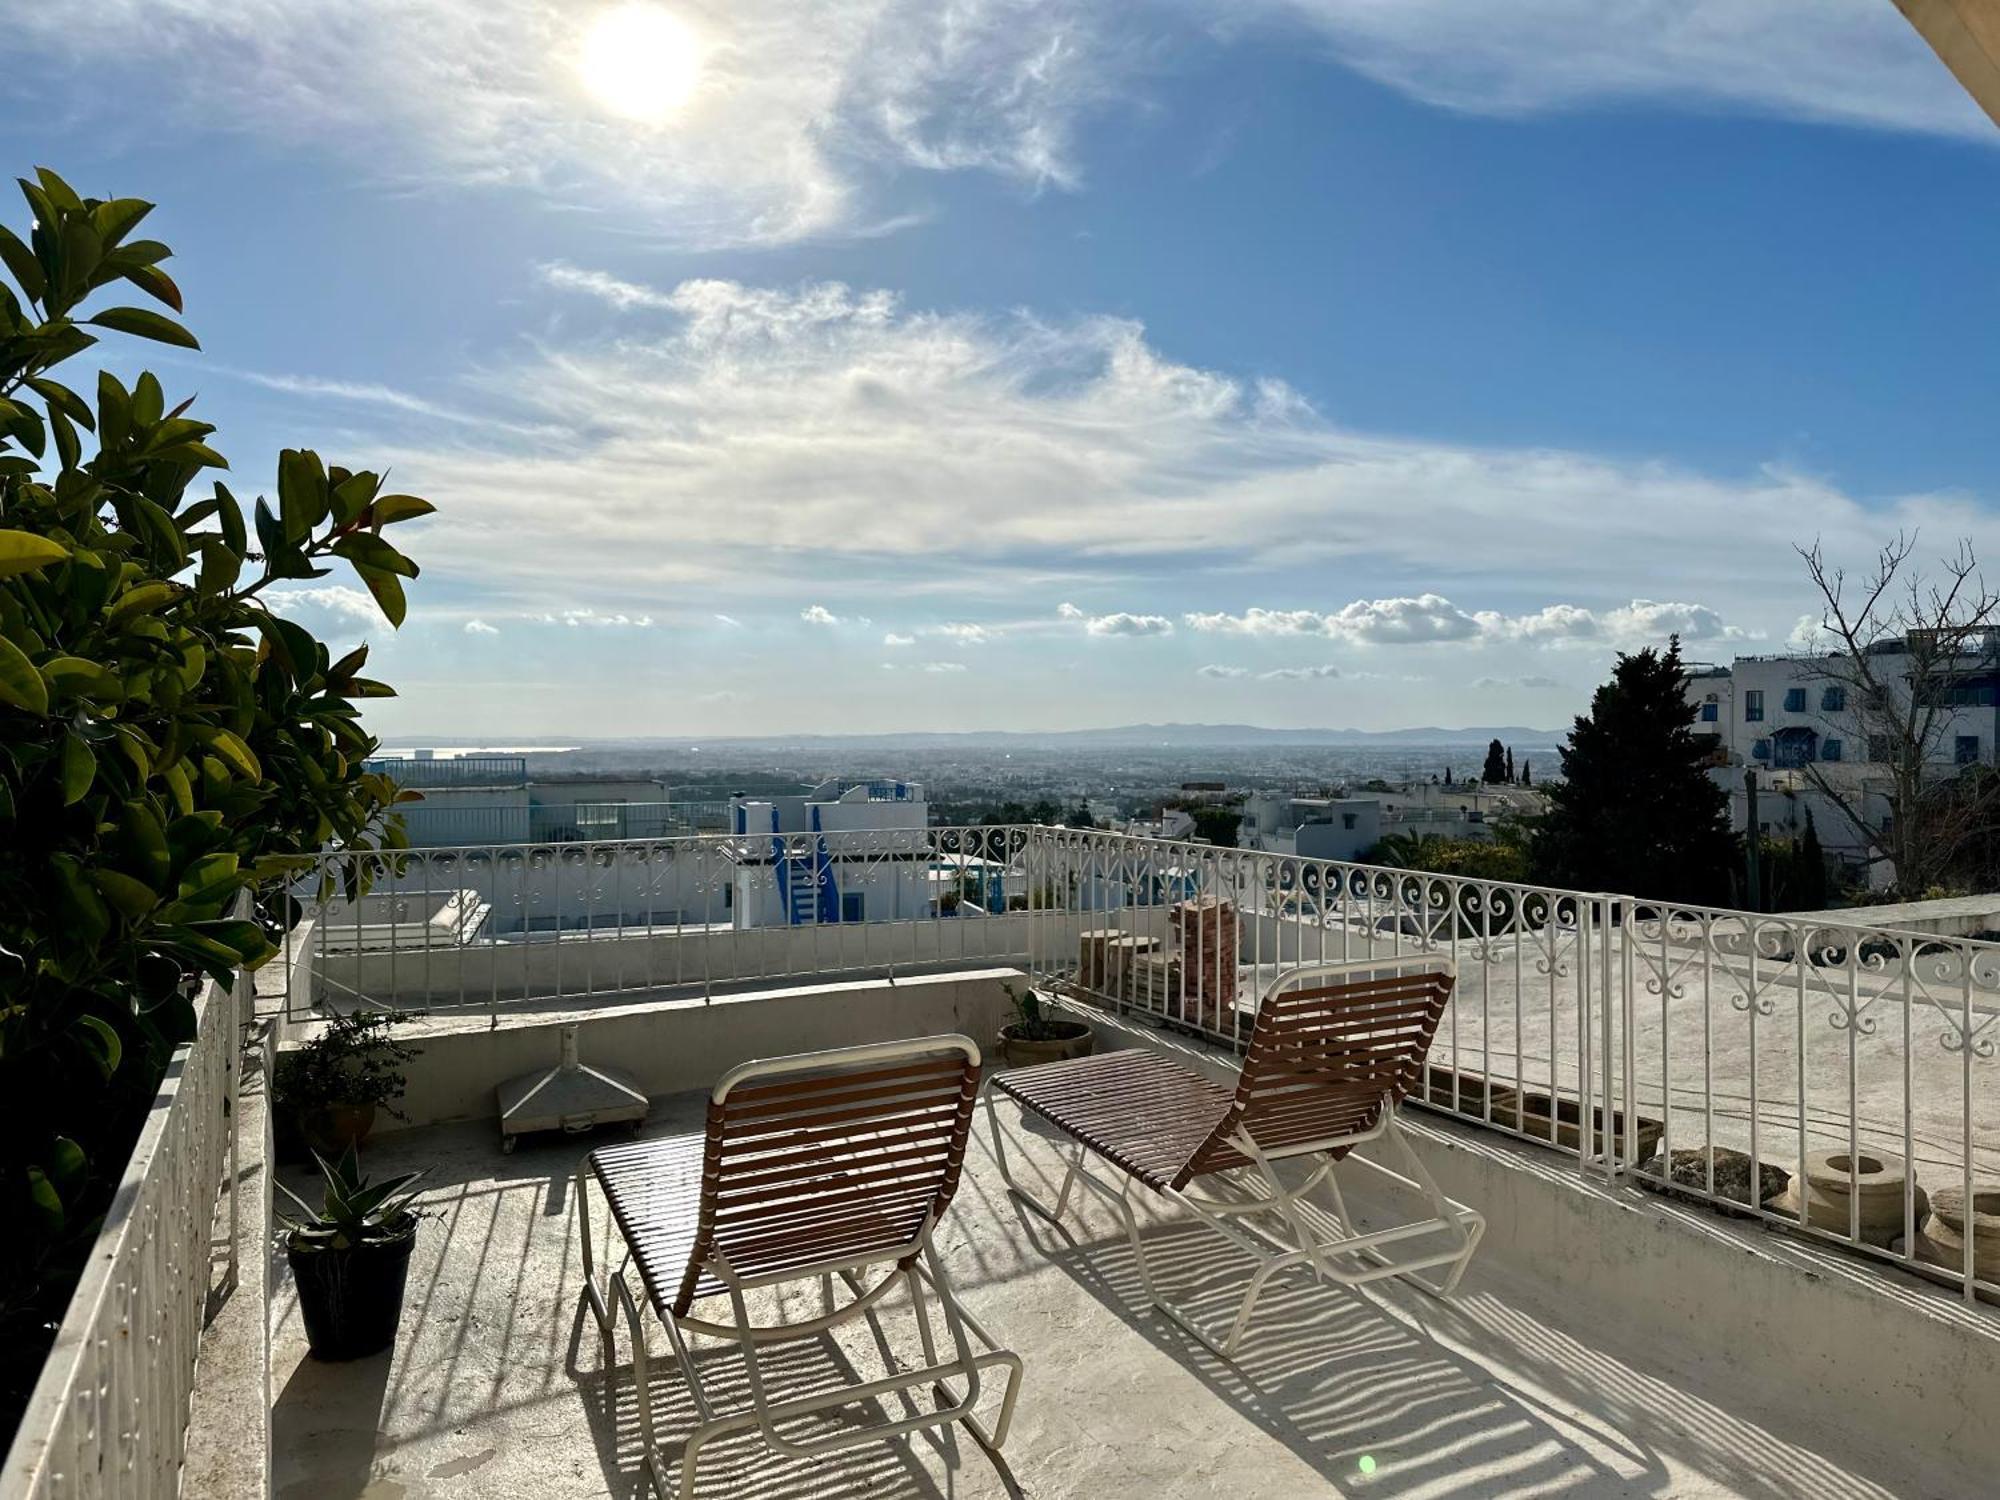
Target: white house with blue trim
[[842, 852]]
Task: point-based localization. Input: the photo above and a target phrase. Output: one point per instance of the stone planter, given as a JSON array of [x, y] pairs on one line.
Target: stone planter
[[1073, 1039], [1473, 1089], [1836, 1192], [1688, 1169], [332, 1128], [1941, 1241], [1558, 1122]]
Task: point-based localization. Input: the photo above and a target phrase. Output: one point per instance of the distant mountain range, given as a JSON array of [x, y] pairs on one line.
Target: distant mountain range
[[1124, 736]]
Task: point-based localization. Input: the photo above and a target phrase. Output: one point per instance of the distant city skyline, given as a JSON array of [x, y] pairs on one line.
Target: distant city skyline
[[1298, 362]]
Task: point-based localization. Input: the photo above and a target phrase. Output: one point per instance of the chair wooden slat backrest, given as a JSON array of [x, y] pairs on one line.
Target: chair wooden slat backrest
[[839, 1156], [1330, 1043]]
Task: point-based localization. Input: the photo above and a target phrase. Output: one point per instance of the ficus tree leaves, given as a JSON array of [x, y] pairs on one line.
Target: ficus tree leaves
[[168, 744]]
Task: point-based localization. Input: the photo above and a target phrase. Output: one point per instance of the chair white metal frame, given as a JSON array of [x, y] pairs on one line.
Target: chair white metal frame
[[1334, 1048], [813, 1167]]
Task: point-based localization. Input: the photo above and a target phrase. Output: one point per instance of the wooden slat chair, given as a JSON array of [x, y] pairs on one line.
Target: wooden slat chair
[[823, 1165], [1334, 1049]]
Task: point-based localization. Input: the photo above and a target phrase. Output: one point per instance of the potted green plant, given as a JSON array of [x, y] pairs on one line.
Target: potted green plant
[[1033, 1036], [330, 1089], [350, 1258]]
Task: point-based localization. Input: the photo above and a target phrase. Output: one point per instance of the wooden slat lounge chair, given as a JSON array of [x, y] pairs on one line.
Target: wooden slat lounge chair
[[1335, 1047], [823, 1165]]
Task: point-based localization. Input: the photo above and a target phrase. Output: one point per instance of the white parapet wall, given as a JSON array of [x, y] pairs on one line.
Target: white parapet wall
[[574, 965], [1818, 1332], [670, 1045]]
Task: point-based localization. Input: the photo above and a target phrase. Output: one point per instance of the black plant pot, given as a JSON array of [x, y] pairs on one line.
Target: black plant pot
[[351, 1299]]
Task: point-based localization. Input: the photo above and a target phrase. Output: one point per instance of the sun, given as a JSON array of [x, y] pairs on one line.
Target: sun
[[640, 61]]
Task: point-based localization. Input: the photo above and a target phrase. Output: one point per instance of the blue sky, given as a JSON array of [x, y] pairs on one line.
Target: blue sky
[[1023, 363]]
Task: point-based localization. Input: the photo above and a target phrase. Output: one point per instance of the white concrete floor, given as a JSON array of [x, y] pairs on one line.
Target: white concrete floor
[[1501, 1395]]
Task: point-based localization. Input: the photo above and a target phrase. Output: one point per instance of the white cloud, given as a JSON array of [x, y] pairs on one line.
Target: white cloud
[[893, 639], [1424, 618], [1432, 618], [963, 634], [1213, 670], [1809, 633], [1299, 674], [1088, 458], [603, 286], [334, 598], [729, 621], [593, 619], [1123, 623], [818, 614], [944, 666], [480, 627], [1531, 681], [791, 123], [1848, 61]]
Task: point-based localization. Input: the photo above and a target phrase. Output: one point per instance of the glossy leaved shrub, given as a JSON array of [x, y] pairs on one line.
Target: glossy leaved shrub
[[168, 743]]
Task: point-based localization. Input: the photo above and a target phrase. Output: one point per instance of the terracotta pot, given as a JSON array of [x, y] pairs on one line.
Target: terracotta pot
[[1074, 1039], [332, 1128]]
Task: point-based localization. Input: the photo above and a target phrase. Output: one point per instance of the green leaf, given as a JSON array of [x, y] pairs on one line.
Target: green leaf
[[144, 599], [61, 398], [60, 193], [74, 675], [245, 939], [229, 516], [46, 1201], [67, 1164], [21, 686], [102, 1042], [21, 551], [352, 496], [143, 323], [393, 508], [155, 283], [388, 591], [133, 898], [176, 779], [365, 550], [117, 218], [149, 402], [220, 569], [21, 263], [303, 496], [68, 449], [79, 768], [234, 753], [145, 840]]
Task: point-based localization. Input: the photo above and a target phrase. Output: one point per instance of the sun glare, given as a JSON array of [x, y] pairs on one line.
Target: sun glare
[[640, 61]]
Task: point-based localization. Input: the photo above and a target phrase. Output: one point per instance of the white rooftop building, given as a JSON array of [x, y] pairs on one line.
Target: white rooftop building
[[1797, 722]]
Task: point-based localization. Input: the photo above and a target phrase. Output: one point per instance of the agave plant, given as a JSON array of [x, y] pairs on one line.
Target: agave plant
[[355, 1210]]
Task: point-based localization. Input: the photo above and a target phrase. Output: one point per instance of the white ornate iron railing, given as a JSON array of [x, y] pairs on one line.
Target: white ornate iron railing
[[108, 1418], [1646, 1040]]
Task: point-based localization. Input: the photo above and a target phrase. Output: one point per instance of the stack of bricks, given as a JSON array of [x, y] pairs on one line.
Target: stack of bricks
[[1206, 933], [1156, 982]]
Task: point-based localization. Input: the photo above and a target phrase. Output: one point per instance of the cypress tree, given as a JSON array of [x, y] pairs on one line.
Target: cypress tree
[[1527, 775], [1496, 764], [1510, 764], [1812, 868], [1635, 812]]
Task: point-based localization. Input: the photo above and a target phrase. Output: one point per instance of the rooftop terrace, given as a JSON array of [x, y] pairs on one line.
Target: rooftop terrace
[[1609, 1340], [1520, 1387]]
